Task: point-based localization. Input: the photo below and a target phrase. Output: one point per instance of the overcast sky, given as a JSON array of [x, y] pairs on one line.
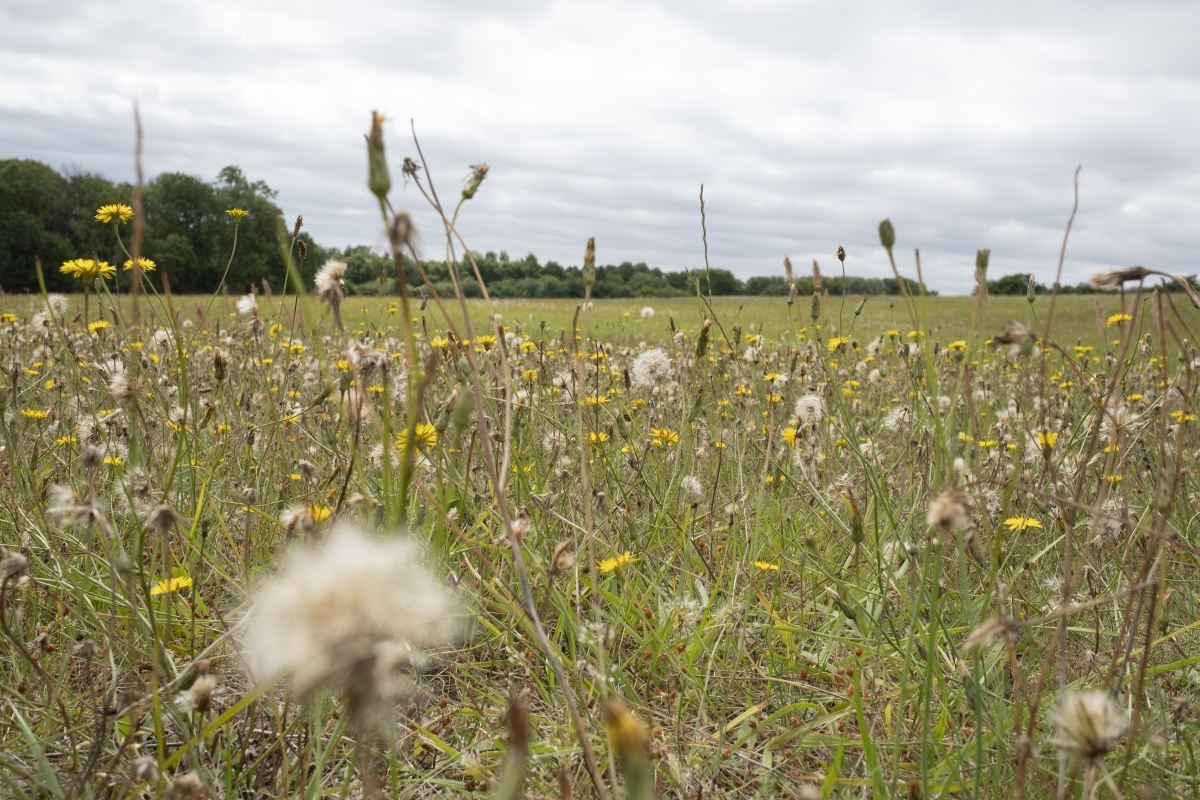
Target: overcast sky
[[807, 122]]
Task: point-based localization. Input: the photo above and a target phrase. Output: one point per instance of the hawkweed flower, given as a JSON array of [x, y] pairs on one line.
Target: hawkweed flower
[[616, 562], [114, 213], [330, 287], [145, 264], [238, 214], [1089, 725], [171, 585], [350, 612], [87, 269]]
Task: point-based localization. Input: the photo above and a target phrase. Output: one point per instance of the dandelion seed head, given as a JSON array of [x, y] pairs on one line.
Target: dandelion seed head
[[335, 606]]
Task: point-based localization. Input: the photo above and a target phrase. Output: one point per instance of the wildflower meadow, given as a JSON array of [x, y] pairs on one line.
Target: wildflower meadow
[[296, 543]]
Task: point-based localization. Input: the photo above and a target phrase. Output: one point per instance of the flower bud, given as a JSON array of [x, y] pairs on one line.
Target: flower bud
[[589, 264], [1030, 293], [981, 259], [887, 235], [379, 181], [816, 306]]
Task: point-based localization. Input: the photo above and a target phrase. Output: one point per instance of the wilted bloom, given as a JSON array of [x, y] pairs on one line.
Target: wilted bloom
[[989, 631], [350, 611], [1089, 724], [198, 697], [1104, 280], [948, 512]]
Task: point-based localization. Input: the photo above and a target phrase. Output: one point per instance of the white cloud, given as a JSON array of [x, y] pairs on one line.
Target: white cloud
[[807, 122]]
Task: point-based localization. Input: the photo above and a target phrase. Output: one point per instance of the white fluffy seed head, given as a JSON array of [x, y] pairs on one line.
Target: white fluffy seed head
[[650, 367], [335, 606], [329, 283], [809, 409], [247, 304], [1089, 724]]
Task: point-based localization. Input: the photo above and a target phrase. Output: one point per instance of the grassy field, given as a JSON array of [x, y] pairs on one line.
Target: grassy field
[[1078, 319], [768, 558]]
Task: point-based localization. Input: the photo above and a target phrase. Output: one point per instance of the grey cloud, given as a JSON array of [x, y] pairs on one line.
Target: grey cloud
[[807, 123]]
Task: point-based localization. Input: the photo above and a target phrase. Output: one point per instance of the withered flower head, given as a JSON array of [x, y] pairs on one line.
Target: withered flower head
[[1089, 724]]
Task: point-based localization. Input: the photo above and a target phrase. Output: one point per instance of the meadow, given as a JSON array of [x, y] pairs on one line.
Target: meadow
[[311, 545]]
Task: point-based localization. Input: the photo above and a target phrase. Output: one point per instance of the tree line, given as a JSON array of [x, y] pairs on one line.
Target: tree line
[[48, 214]]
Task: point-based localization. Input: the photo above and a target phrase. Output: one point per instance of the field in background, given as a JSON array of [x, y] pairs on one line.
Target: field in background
[[1077, 319]]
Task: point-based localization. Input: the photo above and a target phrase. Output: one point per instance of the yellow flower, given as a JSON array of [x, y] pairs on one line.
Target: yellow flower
[[172, 585], [146, 264], [319, 513], [120, 213], [342, 364], [439, 341], [34, 413], [741, 390], [771, 376], [99, 325], [7, 317], [1021, 523], [789, 435], [891, 332], [965, 437], [113, 461], [597, 437], [591, 400], [766, 566], [1133, 398], [530, 374], [719, 445], [616, 562], [1047, 439], [238, 213], [426, 437], [1117, 319], [487, 340], [637, 401], [661, 436], [65, 441], [915, 334], [987, 443], [959, 345], [85, 269], [1182, 416], [837, 342], [1114, 478]]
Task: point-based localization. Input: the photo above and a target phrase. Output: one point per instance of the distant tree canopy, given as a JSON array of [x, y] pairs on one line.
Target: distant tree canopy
[[51, 215], [1018, 284]]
